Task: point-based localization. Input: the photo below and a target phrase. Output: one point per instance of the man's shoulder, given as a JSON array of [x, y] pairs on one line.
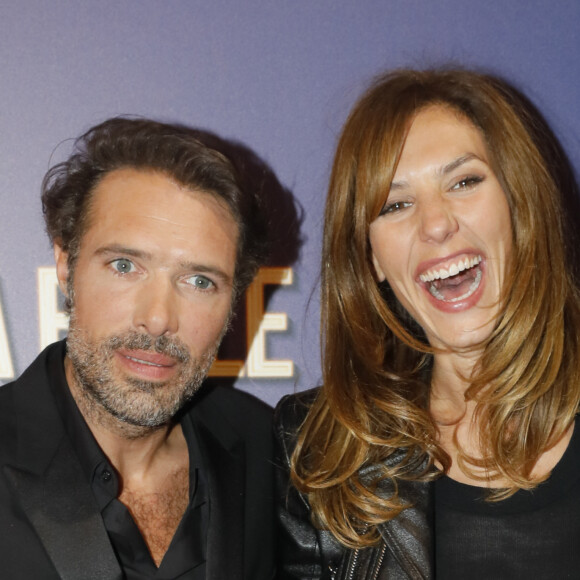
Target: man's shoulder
[[245, 412], [231, 400], [29, 419], [38, 368], [34, 376], [6, 395]]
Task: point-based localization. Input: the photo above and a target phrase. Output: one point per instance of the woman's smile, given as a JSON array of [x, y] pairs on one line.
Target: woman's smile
[[456, 283]]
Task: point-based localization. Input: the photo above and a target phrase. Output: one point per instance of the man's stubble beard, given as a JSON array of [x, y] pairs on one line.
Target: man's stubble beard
[[139, 405]]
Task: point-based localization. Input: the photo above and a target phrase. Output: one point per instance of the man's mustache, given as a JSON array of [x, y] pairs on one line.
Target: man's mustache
[[165, 345]]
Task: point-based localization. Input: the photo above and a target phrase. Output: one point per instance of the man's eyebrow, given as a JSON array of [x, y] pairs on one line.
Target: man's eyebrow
[[119, 249], [206, 269]]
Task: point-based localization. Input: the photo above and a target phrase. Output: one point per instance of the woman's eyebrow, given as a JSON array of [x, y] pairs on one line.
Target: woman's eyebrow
[[444, 170], [451, 166]]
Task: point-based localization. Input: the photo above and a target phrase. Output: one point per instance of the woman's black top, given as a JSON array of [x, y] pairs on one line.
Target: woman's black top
[[531, 535]]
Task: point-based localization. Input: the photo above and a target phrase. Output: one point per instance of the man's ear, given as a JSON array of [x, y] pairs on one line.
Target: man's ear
[[380, 274], [61, 261]]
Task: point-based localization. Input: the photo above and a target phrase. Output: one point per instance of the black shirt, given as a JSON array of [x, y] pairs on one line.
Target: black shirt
[[533, 534], [185, 558]]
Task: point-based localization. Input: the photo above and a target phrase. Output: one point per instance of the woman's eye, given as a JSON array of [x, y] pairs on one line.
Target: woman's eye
[[395, 206], [467, 182], [123, 266], [200, 282]]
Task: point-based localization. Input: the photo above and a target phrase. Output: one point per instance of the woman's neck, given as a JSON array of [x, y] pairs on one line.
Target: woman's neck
[[450, 379], [459, 425]]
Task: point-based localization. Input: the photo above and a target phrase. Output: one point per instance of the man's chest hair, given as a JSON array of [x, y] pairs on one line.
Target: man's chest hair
[[157, 513]]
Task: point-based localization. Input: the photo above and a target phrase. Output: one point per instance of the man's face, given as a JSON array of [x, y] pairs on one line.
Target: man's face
[[153, 285]]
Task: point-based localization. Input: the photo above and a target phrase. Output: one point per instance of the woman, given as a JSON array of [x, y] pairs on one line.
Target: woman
[[442, 440]]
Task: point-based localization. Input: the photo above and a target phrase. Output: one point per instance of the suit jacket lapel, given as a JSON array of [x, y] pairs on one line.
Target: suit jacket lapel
[[224, 464], [62, 509], [51, 487]]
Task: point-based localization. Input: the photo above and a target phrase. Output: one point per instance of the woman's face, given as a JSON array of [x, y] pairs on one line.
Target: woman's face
[[444, 235]]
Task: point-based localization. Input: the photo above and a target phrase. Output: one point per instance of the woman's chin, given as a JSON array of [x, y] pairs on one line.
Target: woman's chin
[[461, 338]]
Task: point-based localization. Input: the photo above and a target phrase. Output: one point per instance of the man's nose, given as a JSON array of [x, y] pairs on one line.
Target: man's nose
[[156, 307], [437, 221]]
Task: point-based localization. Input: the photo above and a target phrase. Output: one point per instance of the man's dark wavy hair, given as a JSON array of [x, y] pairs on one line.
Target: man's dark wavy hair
[[188, 156]]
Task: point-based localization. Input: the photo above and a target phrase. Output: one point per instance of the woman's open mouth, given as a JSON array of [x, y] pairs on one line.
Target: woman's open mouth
[[455, 283]]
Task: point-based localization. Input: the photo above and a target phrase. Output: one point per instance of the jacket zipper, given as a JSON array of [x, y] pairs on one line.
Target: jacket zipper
[[352, 566], [380, 561]]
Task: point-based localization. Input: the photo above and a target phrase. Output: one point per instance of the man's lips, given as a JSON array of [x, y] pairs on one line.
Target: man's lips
[[146, 364], [148, 357]]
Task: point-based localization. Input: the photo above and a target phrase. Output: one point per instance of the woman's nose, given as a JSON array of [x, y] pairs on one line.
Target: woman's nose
[[437, 221]]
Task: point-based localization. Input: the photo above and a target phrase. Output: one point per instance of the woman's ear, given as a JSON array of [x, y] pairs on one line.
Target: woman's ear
[[61, 261], [380, 274]]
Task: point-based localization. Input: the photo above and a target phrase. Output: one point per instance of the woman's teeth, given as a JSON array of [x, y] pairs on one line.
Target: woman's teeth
[[472, 288], [453, 270]]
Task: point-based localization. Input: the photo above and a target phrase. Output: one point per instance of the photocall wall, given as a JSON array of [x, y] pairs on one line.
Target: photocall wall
[[275, 78]]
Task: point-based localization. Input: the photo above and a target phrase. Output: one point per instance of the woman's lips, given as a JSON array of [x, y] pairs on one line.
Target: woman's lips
[[455, 283]]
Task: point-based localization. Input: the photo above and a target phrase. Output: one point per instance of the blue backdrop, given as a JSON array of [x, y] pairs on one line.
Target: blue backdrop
[[277, 76]]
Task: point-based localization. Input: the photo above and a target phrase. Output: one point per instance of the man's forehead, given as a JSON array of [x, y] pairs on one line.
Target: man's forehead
[[122, 179], [129, 199]]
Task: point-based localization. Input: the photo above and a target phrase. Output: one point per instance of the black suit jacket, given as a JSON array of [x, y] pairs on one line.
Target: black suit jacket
[[49, 524]]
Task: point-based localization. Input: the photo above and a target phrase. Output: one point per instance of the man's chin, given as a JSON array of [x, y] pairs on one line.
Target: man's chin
[[145, 404]]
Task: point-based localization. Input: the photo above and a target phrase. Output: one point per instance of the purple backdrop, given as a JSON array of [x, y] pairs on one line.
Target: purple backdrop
[[279, 77]]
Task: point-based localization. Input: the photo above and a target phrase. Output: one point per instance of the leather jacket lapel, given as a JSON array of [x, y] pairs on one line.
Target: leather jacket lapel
[[409, 536], [61, 508]]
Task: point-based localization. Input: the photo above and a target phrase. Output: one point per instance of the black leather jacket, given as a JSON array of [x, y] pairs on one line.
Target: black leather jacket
[[306, 553]]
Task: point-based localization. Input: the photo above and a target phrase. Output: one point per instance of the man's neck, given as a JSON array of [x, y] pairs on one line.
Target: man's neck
[[133, 450], [152, 464]]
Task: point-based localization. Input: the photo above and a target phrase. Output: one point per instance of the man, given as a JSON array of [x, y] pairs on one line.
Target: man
[[113, 466]]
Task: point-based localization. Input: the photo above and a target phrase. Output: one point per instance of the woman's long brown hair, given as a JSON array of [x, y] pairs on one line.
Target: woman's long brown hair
[[373, 406]]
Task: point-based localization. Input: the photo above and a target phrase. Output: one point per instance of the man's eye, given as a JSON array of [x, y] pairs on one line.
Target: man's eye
[[123, 266], [200, 282]]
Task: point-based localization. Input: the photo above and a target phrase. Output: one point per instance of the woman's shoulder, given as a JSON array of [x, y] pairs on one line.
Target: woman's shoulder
[[289, 415], [292, 409]]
